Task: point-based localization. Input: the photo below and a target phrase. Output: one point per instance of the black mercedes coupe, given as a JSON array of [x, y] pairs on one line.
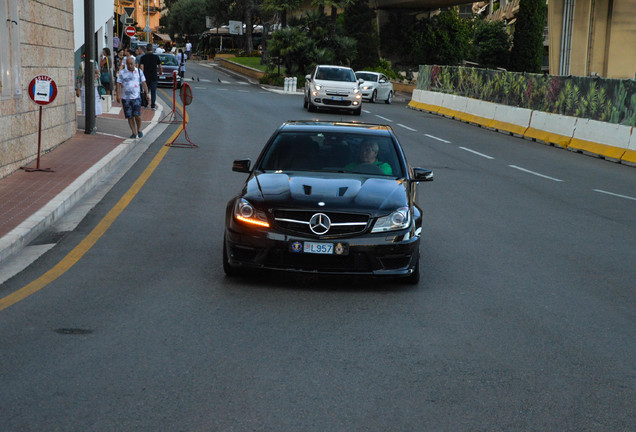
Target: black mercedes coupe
[[328, 198]]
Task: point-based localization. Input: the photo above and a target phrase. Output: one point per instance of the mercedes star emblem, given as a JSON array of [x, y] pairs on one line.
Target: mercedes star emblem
[[319, 223]]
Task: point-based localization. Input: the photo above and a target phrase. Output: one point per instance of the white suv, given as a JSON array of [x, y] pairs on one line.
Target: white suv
[[333, 87]]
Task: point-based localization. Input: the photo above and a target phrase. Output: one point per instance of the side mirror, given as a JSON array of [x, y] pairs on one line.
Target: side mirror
[[241, 165], [422, 175], [307, 77], [360, 80]]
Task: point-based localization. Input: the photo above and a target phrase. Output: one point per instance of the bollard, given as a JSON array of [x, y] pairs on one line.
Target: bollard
[[294, 84], [286, 86]]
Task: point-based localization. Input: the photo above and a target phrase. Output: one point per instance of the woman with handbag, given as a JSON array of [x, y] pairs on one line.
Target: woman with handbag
[[105, 69]]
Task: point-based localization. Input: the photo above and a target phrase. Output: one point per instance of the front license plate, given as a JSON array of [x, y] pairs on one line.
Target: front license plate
[[318, 248]]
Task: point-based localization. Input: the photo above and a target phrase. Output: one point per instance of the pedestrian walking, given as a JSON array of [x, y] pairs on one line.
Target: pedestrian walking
[[105, 69], [80, 89], [188, 48], [129, 84], [150, 64], [116, 43], [181, 61]]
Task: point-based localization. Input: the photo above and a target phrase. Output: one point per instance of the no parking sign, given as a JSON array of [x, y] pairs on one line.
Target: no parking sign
[[42, 90]]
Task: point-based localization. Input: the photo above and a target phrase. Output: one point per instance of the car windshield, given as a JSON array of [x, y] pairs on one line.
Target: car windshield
[[168, 60], [332, 152], [335, 74], [367, 76]]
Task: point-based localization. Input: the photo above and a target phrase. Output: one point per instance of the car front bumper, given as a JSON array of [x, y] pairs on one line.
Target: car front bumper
[[379, 254]]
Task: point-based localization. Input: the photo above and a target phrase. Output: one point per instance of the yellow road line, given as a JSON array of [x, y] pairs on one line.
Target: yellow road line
[[89, 241]]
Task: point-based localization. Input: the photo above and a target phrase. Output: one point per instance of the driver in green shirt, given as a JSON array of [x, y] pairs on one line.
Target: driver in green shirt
[[369, 156]]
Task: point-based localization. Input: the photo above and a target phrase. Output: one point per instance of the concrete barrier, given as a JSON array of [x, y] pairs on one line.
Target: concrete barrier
[[597, 138], [480, 112], [456, 106], [629, 157], [511, 119], [426, 100], [447, 105], [553, 129]]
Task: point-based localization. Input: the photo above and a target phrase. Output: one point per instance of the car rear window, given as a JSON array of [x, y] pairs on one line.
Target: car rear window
[[329, 152]]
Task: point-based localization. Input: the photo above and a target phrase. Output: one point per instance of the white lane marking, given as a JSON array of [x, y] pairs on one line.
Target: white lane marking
[[614, 194], [477, 153], [535, 173], [367, 112], [201, 88], [243, 91], [204, 80], [220, 89], [406, 127], [436, 138], [384, 118]]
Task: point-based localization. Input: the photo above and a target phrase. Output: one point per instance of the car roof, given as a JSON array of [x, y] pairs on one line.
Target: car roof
[[369, 72], [334, 66], [334, 126]]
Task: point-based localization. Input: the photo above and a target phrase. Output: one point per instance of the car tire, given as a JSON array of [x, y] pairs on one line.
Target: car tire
[[358, 111], [304, 102], [227, 267], [374, 97], [414, 278], [311, 107], [389, 98]]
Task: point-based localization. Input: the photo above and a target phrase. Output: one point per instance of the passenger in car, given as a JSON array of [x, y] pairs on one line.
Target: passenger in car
[[369, 157]]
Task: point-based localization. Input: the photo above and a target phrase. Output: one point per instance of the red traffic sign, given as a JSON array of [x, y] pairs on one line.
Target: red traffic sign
[[130, 31], [42, 90]]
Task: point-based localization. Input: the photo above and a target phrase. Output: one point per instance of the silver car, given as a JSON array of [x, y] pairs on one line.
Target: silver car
[[376, 86], [333, 87]]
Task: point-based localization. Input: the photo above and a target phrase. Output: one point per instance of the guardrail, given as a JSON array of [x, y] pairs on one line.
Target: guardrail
[[610, 141], [243, 70]]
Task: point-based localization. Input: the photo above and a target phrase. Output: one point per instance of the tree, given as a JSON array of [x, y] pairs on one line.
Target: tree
[[187, 17], [527, 48], [359, 24], [442, 40], [280, 8], [295, 48], [491, 44]]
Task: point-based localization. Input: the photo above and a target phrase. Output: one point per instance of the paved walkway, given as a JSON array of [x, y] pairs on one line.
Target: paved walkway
[[31, 201]]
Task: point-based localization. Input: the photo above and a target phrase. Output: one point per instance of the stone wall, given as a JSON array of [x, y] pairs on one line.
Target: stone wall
[[46, 47]]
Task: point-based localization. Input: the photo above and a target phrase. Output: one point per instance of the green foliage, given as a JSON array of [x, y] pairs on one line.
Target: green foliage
[[295, 49], [527, 49], [491, 44], [358, 23], [187, 17]]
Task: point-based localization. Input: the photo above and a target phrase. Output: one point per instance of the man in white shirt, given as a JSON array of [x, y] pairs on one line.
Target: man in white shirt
[[188, 49], [129, 83]]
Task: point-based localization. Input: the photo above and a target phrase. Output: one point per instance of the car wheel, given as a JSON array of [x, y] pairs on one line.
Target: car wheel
[[304, 102], [414, 278], [227, 267], [358, 111], [374, 96], [311, 107], [389, 98]]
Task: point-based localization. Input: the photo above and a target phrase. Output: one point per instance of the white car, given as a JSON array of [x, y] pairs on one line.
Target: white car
[[376, 86], [333, 87]]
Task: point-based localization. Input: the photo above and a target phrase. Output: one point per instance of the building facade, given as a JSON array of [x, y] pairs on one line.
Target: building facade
[[37, 39], [593, 37]]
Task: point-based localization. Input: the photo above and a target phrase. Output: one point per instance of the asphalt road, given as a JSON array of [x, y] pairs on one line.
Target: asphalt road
[[524, 319]]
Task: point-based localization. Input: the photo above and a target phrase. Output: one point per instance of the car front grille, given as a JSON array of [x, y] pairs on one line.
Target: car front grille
[[336, 102], [356, 262], [342, 224]]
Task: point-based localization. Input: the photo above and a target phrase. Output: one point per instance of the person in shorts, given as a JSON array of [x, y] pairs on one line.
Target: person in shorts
[[129, 83]]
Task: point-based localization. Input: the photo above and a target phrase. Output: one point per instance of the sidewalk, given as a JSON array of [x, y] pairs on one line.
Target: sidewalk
[[31, 201]]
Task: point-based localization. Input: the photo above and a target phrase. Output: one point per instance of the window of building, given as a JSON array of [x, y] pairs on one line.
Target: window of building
[[10, 63]]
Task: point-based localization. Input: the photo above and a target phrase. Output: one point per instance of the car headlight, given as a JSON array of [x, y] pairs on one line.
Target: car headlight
[[356, 90], [366, 87], [399, 219], [317, 87], [246, 213]]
